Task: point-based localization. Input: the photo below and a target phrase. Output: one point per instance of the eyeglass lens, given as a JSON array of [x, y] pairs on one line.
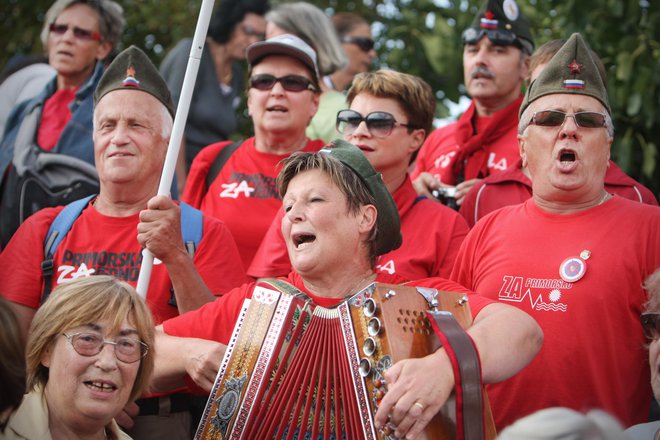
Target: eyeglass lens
[[290, 83], [127, 350], [364, 43], [379, 124], [651, 325], [81, 34], [555, 118]]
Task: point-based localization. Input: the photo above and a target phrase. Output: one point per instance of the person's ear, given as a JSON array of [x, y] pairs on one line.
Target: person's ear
[[521, 148], [368, 218], [418, 135], [103, 51], [46, 356]]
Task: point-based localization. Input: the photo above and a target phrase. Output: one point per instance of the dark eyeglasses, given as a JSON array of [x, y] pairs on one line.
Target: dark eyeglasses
[[364, 43], [379, 124], [497, 37], [81, 34], [651, 325], [252, 32], [290, 83], [127, 350], [556, 118]]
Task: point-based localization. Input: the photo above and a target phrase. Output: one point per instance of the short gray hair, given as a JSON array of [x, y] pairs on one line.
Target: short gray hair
[[526, 119], [111, 18], [561, 423], [312, 25]]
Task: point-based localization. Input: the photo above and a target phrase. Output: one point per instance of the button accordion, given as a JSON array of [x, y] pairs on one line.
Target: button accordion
[[294, 370]]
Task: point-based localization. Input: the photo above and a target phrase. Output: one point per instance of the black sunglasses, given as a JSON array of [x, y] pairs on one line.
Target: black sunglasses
[[81, 34], [379, 124], [497, 37], [364, 43], [651, 325], [556, 118], [290, 83]]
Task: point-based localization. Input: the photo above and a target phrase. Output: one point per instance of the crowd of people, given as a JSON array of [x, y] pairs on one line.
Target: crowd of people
[[345, 183]]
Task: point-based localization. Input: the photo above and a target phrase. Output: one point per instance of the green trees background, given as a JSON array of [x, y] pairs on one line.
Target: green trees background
[[422, 37]]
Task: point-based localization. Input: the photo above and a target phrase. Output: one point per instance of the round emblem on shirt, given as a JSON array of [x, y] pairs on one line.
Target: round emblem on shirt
[[572, 269], [511, 9]]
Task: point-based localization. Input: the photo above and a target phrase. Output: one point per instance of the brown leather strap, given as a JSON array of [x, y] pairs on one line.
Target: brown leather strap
[[467, 374]]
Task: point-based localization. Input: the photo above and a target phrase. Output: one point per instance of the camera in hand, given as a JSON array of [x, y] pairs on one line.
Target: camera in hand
[[446, 195]]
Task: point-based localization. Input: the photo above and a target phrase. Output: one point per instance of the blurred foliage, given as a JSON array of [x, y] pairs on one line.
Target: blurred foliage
[[422, 37]]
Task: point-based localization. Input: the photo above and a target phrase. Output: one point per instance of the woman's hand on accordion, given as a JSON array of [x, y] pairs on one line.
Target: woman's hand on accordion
[[416, 390]]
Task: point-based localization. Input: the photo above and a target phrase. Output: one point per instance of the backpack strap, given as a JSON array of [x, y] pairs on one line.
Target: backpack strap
[[191, 231], [56, 233], [191, 227], [192, 221], [220, 161]]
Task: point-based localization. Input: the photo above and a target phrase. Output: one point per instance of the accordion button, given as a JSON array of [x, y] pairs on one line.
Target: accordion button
[[369, 308], [365, 367], [373, 326], [369, 346]]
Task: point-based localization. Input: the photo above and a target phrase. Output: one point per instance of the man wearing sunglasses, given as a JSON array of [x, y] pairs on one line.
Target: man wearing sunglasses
[[513, 185], [483, 141], [283, 96], [573, 256]]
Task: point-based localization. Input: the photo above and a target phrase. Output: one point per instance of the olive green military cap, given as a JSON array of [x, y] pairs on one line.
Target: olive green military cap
[[388, 236], [503, 23], [133, 70], [571, 71]]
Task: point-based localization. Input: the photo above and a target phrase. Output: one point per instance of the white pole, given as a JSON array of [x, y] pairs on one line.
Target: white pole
[[177, 129]]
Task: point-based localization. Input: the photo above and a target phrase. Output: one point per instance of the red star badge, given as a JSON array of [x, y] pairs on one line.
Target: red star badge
[[575, 67], [130, 71], [489, 15]]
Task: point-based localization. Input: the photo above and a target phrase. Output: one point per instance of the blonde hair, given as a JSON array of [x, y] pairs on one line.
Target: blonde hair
[[84, 301]]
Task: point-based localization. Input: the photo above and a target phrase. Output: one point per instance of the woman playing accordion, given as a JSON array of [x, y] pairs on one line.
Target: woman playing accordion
[[339, 217]]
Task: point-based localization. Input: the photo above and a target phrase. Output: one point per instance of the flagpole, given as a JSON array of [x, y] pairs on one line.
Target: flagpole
[[177, 129]]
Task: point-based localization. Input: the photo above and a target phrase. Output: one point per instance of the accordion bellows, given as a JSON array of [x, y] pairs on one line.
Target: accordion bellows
[[294, 370]]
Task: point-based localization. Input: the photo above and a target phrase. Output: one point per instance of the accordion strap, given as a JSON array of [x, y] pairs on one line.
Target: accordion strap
[[467, 373]]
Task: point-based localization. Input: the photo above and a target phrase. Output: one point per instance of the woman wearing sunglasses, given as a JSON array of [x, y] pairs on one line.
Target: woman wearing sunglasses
[[389, 129], [355, 35], [312, 25], [650, 319], [78, 36], [88, 354], [283, 96]]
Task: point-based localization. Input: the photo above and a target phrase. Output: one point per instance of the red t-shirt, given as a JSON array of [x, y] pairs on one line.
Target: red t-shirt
[[243, 195], [215, 321], [439, 150], [593, 354], [98, 244], [512, 186], [55, 116], [432, 234]]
